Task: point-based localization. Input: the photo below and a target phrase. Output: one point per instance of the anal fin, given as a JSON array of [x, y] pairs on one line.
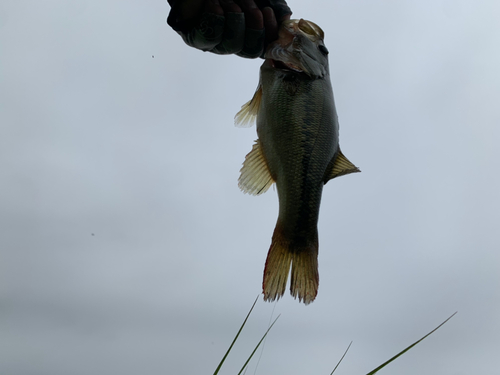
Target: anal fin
[[255, 177], [339, 166]]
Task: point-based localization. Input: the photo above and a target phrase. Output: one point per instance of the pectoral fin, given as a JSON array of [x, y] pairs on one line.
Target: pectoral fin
[[255, 177], [248, 112], [339, 166]]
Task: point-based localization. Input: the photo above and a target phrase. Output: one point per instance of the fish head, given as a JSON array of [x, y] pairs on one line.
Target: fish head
[[299, 48]]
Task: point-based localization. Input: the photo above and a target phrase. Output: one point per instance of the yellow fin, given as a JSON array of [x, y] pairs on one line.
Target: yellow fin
[[339, 166], [248, 112], [255, 177]]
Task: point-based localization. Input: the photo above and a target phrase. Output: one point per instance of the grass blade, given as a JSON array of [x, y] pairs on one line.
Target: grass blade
[[260, 342], [341, 358], [235, 338], [408, 348]]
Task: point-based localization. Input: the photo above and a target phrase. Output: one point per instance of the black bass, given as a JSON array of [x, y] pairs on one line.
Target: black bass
[[297, 148]]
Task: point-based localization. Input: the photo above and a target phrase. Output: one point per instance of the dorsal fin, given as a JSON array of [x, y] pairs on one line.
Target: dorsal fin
[[255, 177], [339, 166], [248, 112]]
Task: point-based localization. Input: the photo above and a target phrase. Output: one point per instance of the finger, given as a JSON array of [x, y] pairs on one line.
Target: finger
[[208, 33], [234, 34], [281, 9], [254, 43], [230, 6], [234, 30], [270, 24], [213, 6], [285, 17], [189, 9], [253, 15], [209, 29]]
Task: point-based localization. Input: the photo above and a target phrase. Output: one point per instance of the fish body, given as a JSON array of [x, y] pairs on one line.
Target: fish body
[[298, 149]]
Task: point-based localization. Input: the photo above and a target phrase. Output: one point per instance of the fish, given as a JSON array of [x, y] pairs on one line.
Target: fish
[[297, 149]]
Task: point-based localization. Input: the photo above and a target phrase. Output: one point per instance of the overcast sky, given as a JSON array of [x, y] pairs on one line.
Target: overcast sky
[[127, 248]]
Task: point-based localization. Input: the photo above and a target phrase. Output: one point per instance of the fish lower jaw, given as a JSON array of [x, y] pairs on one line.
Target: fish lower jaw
[[277, 64]]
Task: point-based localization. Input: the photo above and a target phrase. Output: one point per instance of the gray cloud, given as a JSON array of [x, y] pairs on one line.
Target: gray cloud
[[126, 246]]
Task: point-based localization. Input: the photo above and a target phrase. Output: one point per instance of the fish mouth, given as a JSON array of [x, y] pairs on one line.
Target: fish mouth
[[288, 66], [297, 49]]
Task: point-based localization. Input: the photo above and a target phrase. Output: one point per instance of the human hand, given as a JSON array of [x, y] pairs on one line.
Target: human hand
[[242, 27]]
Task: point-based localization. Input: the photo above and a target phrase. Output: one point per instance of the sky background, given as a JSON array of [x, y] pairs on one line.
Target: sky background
[[127, 248]]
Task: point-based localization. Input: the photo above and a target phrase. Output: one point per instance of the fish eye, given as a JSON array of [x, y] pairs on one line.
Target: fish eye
[[323, 49]]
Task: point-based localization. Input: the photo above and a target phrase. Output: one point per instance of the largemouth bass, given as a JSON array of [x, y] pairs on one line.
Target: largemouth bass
[[297, 148]]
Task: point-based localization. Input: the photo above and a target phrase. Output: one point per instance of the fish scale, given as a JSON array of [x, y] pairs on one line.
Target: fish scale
[[298, 147]]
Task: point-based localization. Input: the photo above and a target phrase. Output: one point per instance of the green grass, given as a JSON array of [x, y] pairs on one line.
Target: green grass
[[374, 371]]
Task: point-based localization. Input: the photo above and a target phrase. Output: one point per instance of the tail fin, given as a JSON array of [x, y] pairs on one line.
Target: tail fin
[[304, 262]]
